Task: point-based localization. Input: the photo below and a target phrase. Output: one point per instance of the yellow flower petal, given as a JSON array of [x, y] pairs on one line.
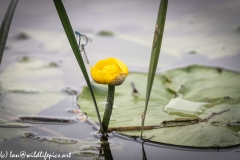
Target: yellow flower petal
[[110, 71], [122, 66]]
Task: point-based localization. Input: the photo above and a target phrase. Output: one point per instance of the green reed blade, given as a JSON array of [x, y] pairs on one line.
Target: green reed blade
[[156, 46], [6, 23], [72, 40]]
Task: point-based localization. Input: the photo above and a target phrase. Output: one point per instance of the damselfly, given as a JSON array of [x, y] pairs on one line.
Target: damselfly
[[82, 44], [85, 38]]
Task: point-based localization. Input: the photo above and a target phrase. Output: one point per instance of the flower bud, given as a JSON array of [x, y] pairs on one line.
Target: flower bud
[[110, 71]]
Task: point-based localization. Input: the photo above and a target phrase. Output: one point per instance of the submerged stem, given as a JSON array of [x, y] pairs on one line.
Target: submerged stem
[[108, 108], [105, 146]]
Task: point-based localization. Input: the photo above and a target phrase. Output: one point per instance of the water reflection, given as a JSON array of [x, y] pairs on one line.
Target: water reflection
[[105, 148], [143, 152]]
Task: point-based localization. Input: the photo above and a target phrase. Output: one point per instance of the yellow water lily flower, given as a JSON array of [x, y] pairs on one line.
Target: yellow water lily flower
[[110, 71]]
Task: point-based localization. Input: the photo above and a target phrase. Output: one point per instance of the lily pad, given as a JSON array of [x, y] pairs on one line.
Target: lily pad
[[183, 94], [26, 88]]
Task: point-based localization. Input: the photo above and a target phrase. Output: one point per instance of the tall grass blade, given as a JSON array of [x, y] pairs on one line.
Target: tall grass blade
[[6, 23], [156, 46], [72, 40]]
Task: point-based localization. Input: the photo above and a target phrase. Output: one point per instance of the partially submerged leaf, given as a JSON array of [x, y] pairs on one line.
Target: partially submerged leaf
[[205, 87]]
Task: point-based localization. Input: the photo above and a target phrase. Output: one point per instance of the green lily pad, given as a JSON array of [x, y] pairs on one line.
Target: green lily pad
[[26, 88], [209, 95]]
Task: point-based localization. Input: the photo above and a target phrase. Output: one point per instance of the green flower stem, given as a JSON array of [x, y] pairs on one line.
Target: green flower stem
[[108, 108]]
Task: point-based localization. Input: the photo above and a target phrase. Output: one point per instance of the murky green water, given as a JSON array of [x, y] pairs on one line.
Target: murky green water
[[36, 70]]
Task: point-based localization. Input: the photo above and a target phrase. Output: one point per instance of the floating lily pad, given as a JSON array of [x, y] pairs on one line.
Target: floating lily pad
[[26, 88], [199, 92]]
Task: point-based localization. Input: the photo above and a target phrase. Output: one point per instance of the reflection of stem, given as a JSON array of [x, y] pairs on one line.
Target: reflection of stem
[[106, 148], [143, 152], [109, 107]]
